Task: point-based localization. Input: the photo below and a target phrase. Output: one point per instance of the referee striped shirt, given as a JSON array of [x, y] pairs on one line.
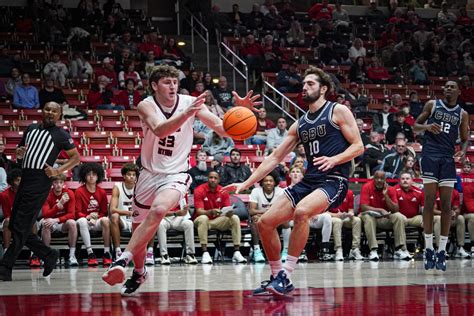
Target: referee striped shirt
[[43, 145]]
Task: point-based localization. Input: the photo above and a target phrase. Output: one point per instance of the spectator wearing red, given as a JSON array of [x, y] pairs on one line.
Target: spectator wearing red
[[377, 73], [100, 96], [108, 71], [91, 210], [6, 201], [467, 94], [321, 11], [252, 53], [198, 89], [263, 124], [388, 34], [129, 73], [128, 98], [209, 200], [410, 200], [151, 44], [467, 180], [463, 19], [58, 216], [172, 51]]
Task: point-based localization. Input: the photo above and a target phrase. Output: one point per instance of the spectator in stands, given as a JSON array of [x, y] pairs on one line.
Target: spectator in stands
[[455, 66], [263, 124], [218, 20], [237, 18], [402, 54], [463, 20], [13, 81], [329, 55], [113, 8], [8, 164], [358, 72], [235, 171], [208, 82], [127, 42], [147, 65], [377, 73], [374, 15], [121, 207], [436, 67], [358, 101], [265, 7], [363, 135], [467, 94], [91, 210], [357, 49], [323, 221], [374, 152], [200, 171], [214, 144], [200, 131], [390, 34], [422, 37], [111, 29], [252, 53], [289, 80], [100, 96], [343, 215], [275, 136], [51, 93], [25, 95], [315, 35], [397, 102], [80, 67], [273, 21], [272, 55], [393, 163], [6, 62], [79, 39], [446, 18], [222, 94], [457, 221], [108, 71], [173, 52], [56, 69], [190, 81], [418, 72], [213, 106], [128, 98], [296, 36], [209, 201], [255, 18], [382, 120], [151, 45], [415, 105], [409, 119], [321, 12], [122, 57], [198, 89], [399, 126], [260, 200], [340, 17], [409, 167], [129, 73], [379, 207], [299, 152], [58, 216], [6, 202]]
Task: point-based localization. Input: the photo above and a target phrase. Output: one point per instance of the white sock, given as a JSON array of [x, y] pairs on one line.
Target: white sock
[[106, 249], [290, 265], [89, 251], [285, 233], [140, 271], [72, 252], [118, 250], [429, 241], [275, 267], [443, 240], [150, 249], [256, 247], [127, 256]]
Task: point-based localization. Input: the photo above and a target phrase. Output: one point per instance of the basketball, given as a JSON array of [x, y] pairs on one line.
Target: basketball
[[240, 123]]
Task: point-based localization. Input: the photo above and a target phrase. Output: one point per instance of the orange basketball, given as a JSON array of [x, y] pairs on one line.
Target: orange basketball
[[240, 123]]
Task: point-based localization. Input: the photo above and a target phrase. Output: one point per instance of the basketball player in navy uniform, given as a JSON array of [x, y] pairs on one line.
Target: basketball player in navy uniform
[[331, 140], [443, 122]]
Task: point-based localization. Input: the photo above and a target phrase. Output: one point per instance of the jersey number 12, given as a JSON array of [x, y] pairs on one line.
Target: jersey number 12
[[445, 127]]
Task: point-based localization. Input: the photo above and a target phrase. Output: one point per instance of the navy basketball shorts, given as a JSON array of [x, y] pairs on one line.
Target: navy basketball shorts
[[438, 170], [334, 187]]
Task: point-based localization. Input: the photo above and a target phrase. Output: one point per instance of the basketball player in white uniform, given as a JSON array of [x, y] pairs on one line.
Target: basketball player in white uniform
[[167, 121], [121, 205]]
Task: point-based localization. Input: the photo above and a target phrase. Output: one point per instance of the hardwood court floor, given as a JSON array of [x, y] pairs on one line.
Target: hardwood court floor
[[342, 288]]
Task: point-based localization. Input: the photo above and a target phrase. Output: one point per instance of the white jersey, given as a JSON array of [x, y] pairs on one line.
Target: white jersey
[[264, 201], [168, 155], [125, 197]]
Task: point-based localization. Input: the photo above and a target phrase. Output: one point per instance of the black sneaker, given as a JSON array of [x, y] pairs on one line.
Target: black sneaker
[[5, 273], [133, 283], [116, 272], [50, 262]]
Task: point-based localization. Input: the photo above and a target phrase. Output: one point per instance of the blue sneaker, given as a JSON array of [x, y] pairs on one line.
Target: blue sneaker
[[262, 290], [281, 285], [430, 259], [441, 260]]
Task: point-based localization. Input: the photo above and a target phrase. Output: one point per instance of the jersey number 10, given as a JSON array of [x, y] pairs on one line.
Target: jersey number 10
[[313, 147]]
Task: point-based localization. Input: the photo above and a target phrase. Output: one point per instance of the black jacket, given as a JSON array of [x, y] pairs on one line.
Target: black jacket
[[231, 173]]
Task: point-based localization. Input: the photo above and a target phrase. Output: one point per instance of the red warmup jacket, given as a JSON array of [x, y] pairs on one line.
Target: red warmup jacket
[[87, 202], [6, 201], [320, 11], [124, 98], [51, 210], [253, 50], [206, 199]]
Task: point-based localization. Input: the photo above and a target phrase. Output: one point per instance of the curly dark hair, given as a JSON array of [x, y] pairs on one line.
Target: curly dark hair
[[85, 168], [274, 175], [130, 167], [12, 175]]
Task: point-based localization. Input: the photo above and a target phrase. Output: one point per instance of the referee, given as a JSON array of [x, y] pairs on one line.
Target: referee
[[37, 152]]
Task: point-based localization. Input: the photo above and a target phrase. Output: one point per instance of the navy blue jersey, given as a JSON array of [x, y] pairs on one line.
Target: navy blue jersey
[[443, 144], [322, 137]]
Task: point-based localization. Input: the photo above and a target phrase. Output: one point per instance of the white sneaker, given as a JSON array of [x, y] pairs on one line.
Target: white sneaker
[[339, 255], [165, 260], [374, 256], [402, 255], [303, 257], [461, 253], [150, 259], [72, 262], [190, 259], [238, 258], [206, 258], [355, 254], [472, 252]]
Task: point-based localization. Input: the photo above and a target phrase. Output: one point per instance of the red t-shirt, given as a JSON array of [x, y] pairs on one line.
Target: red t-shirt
[[320, 11], [206, 199], [346, 205], [378, 73], [409, 202], [51, 210], [6, 200], [468, 192], [129, 101], [146, 47], [372, 197], [87, 202], [455, 199], [254, 49]]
